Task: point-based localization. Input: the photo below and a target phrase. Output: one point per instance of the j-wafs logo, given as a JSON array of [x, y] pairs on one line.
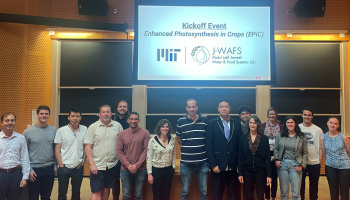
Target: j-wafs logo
[[200, 54], [167, 54]]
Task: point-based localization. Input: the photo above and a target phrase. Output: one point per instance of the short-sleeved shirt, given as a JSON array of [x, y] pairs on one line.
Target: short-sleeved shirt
[[104, 139], [72, 145], [313, 134], [289, 148], [192, 139]]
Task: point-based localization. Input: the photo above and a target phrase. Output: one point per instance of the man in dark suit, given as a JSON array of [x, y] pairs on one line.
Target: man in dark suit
[[222, 152]]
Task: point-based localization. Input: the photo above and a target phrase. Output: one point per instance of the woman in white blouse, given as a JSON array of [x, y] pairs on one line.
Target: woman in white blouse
[[161, 159]]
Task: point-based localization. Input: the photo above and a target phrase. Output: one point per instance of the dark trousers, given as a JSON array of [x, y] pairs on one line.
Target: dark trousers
[[63, 175], [162, 178], [313, 171], [43, 184], [255, 180], [116, 188], [222, 179], [338, 179], [9, 185], [274, 184]]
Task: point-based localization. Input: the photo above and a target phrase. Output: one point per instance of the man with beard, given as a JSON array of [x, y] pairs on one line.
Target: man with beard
[[132, 146], [121, 116], [100, 149]]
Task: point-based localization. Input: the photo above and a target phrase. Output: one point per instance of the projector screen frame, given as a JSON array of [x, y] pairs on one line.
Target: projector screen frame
[[223, 3]]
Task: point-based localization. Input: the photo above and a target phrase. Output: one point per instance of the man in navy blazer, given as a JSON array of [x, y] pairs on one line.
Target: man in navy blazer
[[222, 152]]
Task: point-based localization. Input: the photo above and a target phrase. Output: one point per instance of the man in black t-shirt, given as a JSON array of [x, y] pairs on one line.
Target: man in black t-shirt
[[121, 116]]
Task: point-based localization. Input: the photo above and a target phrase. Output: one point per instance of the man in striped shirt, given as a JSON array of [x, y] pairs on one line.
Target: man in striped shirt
[[191, 131]]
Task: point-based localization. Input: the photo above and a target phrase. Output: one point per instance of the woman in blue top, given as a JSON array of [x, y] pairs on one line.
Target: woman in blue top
[[337, 148]]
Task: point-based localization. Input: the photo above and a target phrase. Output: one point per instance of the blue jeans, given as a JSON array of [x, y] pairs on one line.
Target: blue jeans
[[128, 179], [187, 171], [287, 173]]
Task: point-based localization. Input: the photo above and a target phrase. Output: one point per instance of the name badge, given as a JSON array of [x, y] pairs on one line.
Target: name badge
[[272, 141]]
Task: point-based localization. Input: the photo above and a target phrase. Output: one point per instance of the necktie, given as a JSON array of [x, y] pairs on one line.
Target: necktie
[[227, 130]]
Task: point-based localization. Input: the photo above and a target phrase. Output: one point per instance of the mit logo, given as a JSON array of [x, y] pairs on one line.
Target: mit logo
[[168, 54]]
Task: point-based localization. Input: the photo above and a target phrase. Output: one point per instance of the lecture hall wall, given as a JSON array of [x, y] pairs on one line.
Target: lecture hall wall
[[25, 50]]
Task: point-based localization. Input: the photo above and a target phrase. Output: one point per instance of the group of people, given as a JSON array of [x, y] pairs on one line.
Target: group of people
[[260, 153], [244, 152]]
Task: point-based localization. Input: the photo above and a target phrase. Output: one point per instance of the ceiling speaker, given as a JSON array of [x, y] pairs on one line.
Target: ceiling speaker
[[310, 8], [93, 7]]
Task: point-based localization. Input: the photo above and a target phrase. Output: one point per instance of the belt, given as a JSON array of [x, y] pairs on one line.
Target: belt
[[11, 169]]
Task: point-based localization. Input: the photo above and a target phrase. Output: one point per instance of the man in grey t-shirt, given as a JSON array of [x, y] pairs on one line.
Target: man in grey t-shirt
[[40, 144]]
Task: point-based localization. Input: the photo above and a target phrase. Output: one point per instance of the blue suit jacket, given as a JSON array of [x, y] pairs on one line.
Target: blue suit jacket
[[222, 152]]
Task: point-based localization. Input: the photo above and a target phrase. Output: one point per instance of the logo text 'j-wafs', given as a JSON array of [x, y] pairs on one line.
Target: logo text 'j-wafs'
[[167, 54], [200, 54]]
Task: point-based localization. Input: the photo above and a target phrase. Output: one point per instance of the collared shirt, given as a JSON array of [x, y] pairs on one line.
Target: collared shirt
[[228, 122], [104, 139], [14, 152], [132, 148], [159, 156], [72, 145], [192, 139]]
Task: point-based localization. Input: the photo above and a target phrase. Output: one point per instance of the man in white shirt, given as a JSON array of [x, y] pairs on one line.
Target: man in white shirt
[[69, 151], [14, 160], [101, 151], [314, 135]]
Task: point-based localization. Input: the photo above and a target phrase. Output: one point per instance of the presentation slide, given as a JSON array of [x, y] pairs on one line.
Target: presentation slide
[[204, 43]]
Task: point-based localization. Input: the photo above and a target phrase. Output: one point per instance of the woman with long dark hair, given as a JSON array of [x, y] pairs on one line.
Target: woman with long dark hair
[[161, 160], [291, 157], [337, 150], [271, 129], [254, 166]]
